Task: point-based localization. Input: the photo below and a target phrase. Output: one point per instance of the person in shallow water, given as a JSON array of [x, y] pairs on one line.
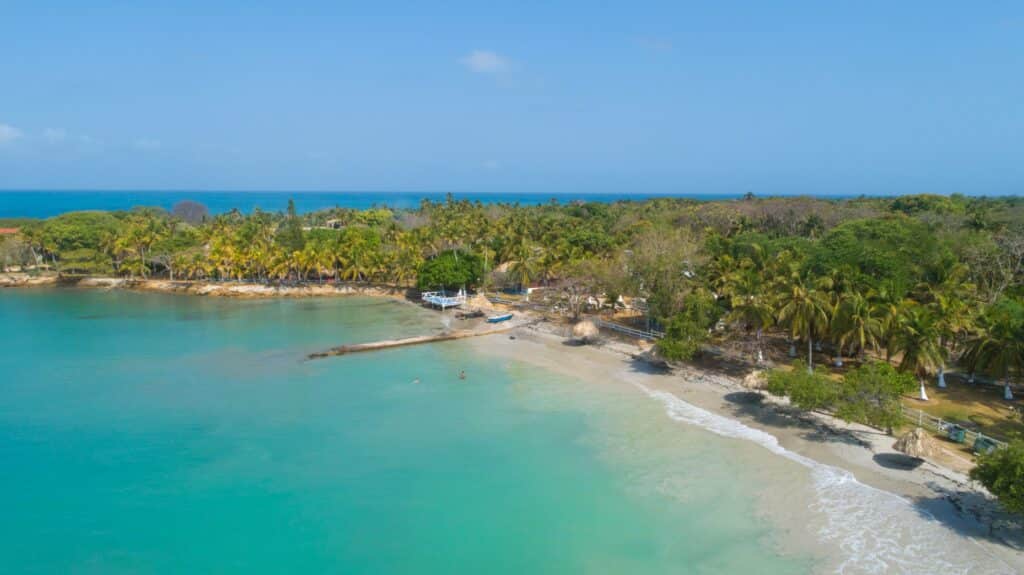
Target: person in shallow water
[[462, 374]]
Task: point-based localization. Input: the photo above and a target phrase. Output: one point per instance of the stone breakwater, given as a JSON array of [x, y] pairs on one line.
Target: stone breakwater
[[415, 340]]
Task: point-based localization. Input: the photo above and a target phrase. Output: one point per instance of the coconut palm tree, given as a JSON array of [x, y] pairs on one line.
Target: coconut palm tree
[[750, 306], [997, 347], [526, 256], [951, 297], [917, 336], [855, 324], [804, 307], [888, 303]]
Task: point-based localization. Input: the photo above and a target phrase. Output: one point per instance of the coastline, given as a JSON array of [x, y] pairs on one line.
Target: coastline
[[697, 396], [848, 461], [202, 288]]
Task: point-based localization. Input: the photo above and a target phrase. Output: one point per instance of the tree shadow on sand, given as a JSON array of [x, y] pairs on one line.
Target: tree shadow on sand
[[642, 365], [751, 404], [969, 513]]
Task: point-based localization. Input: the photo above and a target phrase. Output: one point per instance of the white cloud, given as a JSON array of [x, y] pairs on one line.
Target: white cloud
[[54, 135], [8, 133], [485, 62], [147, 144], [492, 164]]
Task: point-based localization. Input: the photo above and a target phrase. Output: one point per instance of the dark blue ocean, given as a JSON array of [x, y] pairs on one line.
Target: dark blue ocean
[[43, 204]]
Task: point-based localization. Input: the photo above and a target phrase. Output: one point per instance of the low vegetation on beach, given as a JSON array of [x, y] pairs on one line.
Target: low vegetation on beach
[[894, 294]]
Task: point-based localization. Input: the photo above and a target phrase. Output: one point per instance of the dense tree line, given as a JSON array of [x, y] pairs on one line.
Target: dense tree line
[[923, 280]]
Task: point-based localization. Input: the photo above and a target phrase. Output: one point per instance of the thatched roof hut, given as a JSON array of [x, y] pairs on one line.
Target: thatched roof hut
[[917, 443], [479, 301], [755, 380], [585, 331]]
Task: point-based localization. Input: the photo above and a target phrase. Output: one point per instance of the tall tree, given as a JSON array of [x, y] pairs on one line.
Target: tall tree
[[804, 308], [750, 307], [997, 347], [290, 235], [855, 325], [917, 337]]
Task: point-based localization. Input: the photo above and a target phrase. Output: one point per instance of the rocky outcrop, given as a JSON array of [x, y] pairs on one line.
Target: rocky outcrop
[[218, 289]]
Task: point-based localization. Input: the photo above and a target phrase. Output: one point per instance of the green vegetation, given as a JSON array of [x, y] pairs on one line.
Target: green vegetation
[[687, 330], [871, 395], [450, 270], [904, 287], [806, 388], [1002, 473]]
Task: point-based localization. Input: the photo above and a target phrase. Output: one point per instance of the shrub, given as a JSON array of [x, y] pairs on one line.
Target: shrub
[[806, 390], [1002, 473], [683, 339], [871, 395]]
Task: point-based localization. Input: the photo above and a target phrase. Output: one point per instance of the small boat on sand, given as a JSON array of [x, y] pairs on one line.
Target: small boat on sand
[[499, 318]]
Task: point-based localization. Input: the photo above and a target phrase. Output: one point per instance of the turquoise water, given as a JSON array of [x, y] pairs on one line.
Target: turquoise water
[[144, 433], [46, 203]]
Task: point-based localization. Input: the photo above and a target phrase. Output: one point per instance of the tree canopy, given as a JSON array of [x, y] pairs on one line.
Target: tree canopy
[[451, 270], [1002, 473]]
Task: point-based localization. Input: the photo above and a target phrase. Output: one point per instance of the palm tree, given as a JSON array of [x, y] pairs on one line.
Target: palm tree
[[917, 337], [997, 347], [526, 259], [855, 324], [804, 307], [750, 307], [949, 294], [955, 318]]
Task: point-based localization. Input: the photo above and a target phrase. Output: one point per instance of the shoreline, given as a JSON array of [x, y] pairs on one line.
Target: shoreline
[[202, 287], [853, 461], [935, 491]]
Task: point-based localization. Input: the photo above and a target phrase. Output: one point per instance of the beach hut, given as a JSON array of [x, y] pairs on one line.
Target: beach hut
[[917, 443], [585, 331]]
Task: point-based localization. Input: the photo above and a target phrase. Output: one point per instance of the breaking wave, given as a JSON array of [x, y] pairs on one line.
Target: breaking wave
[[877, 532]]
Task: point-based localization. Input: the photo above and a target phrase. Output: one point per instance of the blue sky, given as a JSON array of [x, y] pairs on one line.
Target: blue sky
[[770, 97]]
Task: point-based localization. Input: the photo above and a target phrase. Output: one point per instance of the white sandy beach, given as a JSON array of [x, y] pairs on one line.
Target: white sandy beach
[[867, 512]]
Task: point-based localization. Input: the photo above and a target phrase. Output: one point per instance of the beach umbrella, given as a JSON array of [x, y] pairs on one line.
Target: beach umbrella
[[585, 331], [917, 443]]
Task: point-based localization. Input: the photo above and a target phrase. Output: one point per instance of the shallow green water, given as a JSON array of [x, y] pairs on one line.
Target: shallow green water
[[145, 433]]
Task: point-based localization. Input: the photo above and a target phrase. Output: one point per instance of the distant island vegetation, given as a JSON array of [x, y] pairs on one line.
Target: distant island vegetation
[[905, 289]]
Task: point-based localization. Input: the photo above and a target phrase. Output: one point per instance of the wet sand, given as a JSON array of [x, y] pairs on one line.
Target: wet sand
[[870, 509]]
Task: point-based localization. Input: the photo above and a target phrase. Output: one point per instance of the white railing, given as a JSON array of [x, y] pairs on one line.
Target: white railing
[[443, 300], [942, 426], [644, 334]]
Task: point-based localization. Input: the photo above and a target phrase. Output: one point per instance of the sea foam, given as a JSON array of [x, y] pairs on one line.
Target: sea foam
[[876, 532]]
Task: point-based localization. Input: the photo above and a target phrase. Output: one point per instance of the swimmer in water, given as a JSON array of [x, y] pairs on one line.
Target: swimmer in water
[[462, 374]]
